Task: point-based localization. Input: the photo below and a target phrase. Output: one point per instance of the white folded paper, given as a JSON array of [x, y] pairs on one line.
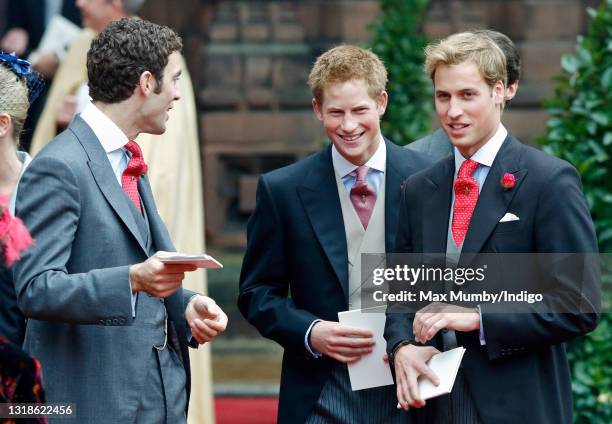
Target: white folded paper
[[446, 366], [201, 261], [370, 370]]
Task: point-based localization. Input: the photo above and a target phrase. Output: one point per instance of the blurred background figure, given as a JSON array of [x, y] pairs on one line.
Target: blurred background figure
[[26, 24], [20, 375], [173, 160], [16, 80]]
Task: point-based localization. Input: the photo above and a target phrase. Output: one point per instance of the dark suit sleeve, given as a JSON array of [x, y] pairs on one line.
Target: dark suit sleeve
[[562, 225], [49, 204], [398, 326], [264, 279]]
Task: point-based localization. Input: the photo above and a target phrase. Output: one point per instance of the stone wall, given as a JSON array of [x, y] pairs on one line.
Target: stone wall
[[249, 61]]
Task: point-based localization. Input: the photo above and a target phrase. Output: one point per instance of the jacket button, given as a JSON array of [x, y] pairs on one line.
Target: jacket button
[[108, 322]]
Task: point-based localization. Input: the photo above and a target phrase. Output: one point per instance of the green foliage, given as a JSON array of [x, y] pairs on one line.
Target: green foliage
[[580, 131], [399, 41]]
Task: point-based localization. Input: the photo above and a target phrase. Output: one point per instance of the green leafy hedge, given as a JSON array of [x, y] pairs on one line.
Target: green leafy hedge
[[399, 41], [580, 131]]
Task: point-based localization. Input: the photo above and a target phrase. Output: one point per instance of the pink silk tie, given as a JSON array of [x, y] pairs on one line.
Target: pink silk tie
[[466, 196], [363, 196], [135, 168]]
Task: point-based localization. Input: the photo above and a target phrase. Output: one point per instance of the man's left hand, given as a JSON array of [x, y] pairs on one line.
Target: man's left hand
[[437, 316], [205, 318]]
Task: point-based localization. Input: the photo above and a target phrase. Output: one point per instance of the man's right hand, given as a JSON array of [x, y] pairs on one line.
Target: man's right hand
[[410, 363], [343, 343], [157, 278]]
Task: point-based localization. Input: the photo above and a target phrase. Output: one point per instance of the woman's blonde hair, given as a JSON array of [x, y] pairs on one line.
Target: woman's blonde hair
[[13, 99]]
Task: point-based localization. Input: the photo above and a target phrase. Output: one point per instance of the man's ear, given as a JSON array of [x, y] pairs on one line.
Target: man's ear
[[381, 103], [511, 90], [317, 109], [146, 83], [5, 124], [499, 93]]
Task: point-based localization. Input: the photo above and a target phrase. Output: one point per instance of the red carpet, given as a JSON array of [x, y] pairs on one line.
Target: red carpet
[[246, 410]]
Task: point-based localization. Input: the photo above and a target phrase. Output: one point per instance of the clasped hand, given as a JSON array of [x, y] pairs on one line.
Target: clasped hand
[[157, 278], [437, 316], [343, 343], [205, 318]]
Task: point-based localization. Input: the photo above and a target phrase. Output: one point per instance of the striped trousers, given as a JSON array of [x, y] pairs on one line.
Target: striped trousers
[[338, 404]]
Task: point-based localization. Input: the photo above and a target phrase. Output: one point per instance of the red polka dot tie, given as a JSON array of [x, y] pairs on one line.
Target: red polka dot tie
[[466, 196], [363, 196], [135, 168]]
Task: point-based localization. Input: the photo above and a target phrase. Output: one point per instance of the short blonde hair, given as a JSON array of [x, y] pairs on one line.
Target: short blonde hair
[[13, 99], [468, 47], [346, 63]]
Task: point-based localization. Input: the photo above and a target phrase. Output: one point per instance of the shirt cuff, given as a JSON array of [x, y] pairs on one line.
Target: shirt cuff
[[134, 297], [481, 335], [307, 344]]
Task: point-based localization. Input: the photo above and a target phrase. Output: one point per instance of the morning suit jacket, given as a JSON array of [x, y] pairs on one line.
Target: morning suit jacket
[[296, 269], [521, 374], [437, 145], [73, 284]]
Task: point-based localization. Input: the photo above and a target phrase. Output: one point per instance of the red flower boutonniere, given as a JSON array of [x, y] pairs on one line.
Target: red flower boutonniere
[[507, 181], [14, 236]]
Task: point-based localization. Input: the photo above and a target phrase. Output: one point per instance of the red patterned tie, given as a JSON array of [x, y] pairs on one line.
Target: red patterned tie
[[135, 168], [466, 196], [363, 196]]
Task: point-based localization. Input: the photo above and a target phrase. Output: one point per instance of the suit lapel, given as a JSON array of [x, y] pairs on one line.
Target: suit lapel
[[105, 178], [437, 202], [395, 174], [319, 196], [493, 200], [159, 233]]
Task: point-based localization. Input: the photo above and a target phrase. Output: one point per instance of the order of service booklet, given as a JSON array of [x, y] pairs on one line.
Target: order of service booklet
[[371, 371], [445, 365], [201, 261]]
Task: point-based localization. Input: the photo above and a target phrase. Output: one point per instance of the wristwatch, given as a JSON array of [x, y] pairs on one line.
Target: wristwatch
[[396, 348]]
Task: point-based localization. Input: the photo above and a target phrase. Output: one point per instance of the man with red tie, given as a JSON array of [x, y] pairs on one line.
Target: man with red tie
[[108, 320], [494, 195], [312, 221]]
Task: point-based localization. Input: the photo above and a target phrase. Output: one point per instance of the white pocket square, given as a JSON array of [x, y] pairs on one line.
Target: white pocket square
[[508, 217]]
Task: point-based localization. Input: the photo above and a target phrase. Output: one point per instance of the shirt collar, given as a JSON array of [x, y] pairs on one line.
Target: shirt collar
[[486, 154], [108, 133], [378, 160]]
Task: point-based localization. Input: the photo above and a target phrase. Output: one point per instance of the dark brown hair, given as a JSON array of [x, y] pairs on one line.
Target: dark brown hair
[[122, 52]]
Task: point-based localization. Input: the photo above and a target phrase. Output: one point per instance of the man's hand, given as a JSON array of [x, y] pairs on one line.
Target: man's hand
[[205, 318], [436, 316], [157, 278], [15, 40], [343, 343], [410, 363]]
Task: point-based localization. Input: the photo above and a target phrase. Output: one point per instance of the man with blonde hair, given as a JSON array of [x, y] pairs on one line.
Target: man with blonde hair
[[312, 221], [437, 144], [493, 195]]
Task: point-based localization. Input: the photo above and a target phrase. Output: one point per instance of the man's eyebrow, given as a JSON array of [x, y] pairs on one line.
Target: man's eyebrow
[[178, 74]]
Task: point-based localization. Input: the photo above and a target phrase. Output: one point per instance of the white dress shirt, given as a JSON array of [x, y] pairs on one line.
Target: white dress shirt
[[113, 140], [485, 157]]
